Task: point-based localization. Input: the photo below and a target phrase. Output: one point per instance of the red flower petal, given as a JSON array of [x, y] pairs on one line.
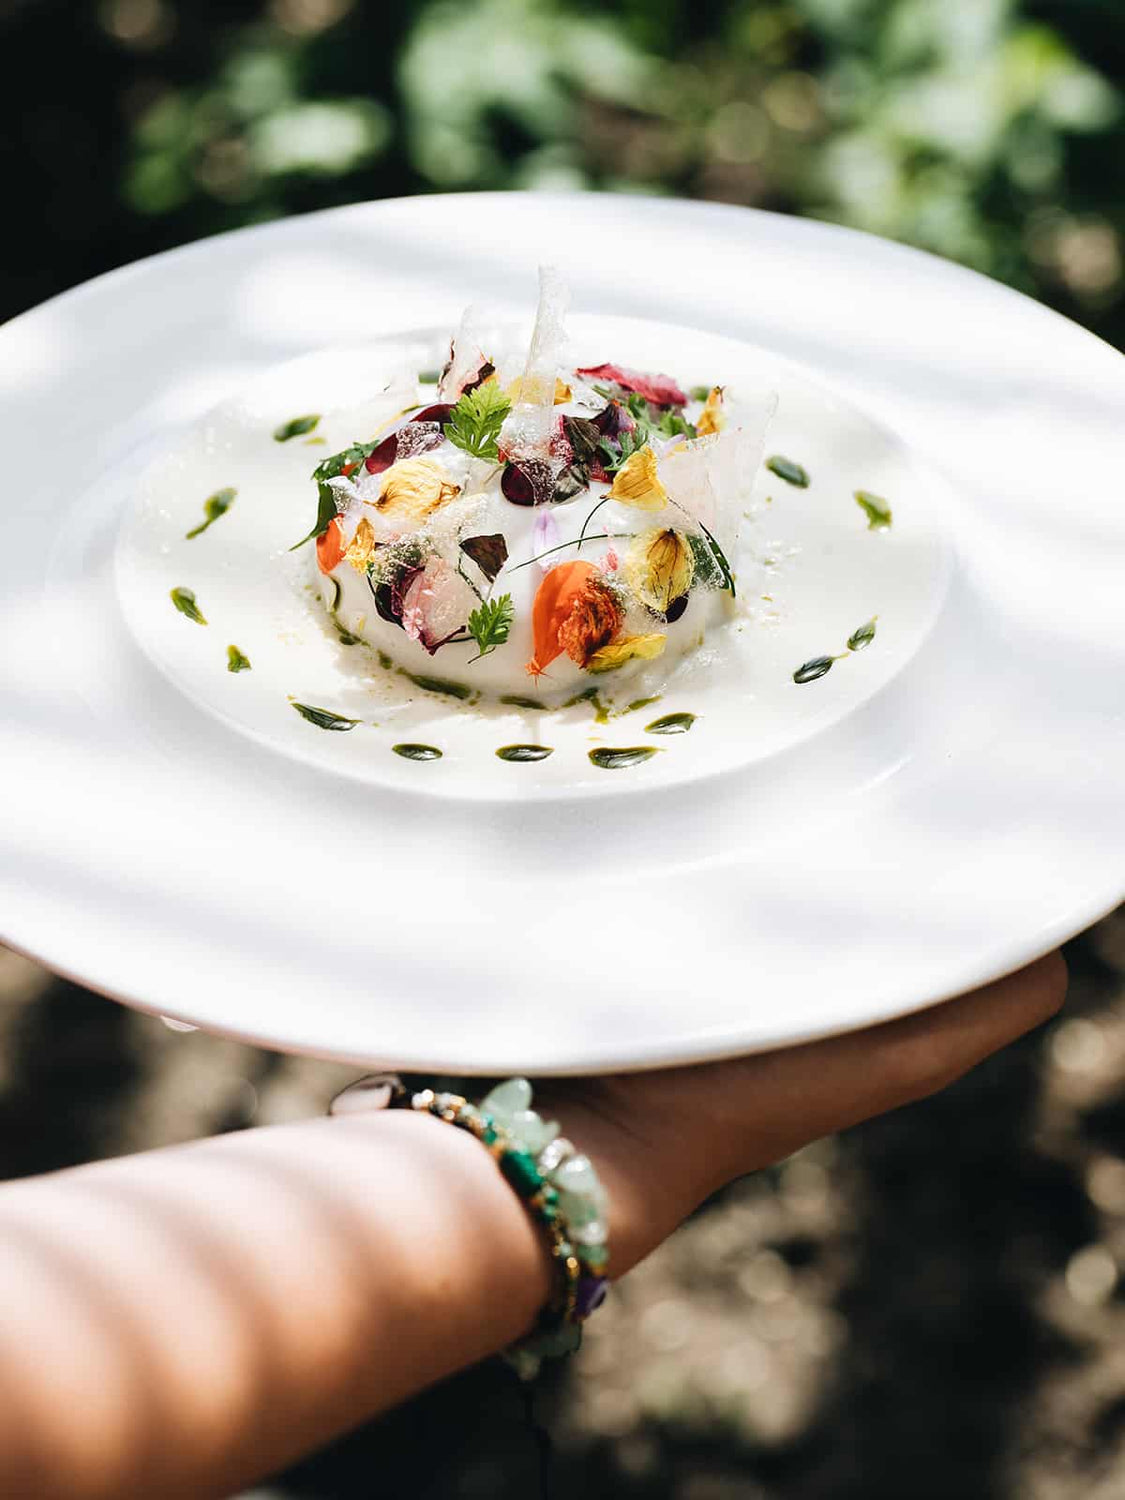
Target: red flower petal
[[661, 390]]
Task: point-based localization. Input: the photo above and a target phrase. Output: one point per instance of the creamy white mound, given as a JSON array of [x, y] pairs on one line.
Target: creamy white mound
[[538, 529]]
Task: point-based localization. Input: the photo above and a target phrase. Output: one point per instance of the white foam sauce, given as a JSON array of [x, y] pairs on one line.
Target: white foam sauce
[[809, 573]]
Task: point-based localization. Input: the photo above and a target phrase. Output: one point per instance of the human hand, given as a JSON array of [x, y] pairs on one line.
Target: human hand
[[664, 1141]]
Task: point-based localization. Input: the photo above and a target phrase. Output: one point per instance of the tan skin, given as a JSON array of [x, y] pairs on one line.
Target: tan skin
[[187, 1321]]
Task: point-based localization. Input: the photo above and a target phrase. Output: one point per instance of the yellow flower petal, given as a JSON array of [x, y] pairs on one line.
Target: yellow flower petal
[[563, 392], [413, 489], [659, 567], [637, 482], [712, 418], [628, 648], [362, 546]]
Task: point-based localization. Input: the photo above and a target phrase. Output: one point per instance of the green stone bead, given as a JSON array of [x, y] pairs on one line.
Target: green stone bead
[[488, 1135], [594, 1256], [507, 1099], [520, 1170], [579, 1210], [531, 1133]]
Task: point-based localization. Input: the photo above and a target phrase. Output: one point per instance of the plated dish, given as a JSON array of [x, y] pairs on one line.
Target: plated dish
[[501, 549], [901, 774], [524, 519]]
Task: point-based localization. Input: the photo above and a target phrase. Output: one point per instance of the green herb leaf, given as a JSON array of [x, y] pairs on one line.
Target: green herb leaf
[[860, 639], [477, 419], [490, 553], [490, 624], [331, 467], [672, 424], [236, 662], [877, 511], [325, 514], [215, 506], [791, 472], [721, 561], [324, 718], [184, 600], [295, 427], [700, 392], [814, 669]]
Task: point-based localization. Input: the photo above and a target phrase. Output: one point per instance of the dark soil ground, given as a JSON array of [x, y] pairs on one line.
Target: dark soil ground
[[929, 1306]]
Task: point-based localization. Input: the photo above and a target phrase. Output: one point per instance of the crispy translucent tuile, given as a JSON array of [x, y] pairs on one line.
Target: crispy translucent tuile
[[628, 648], [528, 430], [637, 482], [712, 418], [659, 567], [563, 392], [413, 489], [467, 357]]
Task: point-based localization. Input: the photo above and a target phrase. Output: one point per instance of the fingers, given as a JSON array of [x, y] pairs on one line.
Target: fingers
[[923, 1053], [814, 1090]]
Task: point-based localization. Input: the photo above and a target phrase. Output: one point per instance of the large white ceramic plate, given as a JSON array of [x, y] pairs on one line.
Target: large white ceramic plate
[[934, 812]]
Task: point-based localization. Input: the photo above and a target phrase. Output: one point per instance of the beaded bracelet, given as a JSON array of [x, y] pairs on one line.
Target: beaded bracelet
[[557, 1184]]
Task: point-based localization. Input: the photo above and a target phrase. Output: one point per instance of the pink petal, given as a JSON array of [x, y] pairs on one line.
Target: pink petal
[[661, 390]]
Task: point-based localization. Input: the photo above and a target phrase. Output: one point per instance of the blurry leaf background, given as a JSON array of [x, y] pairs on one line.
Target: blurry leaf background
[[989, 131]]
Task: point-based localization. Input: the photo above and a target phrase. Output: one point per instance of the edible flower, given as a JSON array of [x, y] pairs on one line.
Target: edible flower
[[574, 612], [362, 545], [413, 489], [435, 604], [659, 567], [661, 390], [712, 418], [637, 482], [329, 547], [628, 648]]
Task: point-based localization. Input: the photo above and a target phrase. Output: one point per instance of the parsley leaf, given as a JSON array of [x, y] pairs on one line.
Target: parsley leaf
[[489, 625], [477, 419]]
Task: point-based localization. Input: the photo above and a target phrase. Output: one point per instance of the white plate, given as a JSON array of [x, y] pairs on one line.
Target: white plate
[[808, 859]]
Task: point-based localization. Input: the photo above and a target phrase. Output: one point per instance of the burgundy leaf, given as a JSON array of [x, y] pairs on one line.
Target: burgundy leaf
[[529, 483], [613, 420], [584, 436], [383, 456], [490, 553]]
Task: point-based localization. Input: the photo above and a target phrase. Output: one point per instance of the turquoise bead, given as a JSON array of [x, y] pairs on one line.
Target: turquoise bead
[[520, 1170]]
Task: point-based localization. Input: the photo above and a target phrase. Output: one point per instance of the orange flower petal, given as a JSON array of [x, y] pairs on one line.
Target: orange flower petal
[[329, 547], [554, 599]]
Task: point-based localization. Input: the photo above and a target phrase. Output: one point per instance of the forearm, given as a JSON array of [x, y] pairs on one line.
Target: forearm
[[183, 1322]]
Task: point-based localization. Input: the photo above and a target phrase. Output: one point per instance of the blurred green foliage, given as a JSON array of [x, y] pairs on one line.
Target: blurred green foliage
[[989, 131]]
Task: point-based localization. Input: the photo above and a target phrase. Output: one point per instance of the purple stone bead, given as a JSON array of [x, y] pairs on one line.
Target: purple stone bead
[[592, 1292]]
